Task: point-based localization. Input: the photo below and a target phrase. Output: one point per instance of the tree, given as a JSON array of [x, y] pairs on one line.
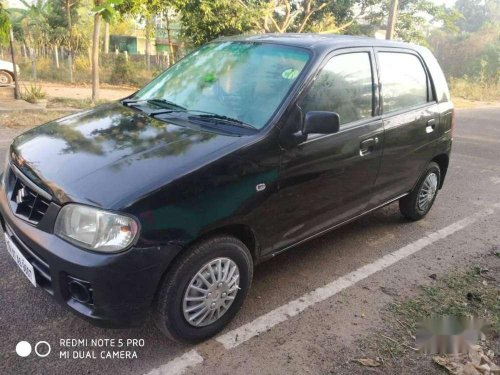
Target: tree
[[7, 36], [476, 13], [284, 15], [62, 19], [146, 10], [69, 25], [5, 26], [338, 16], [472, 54], [33, 22], [416, 18], [104, 9], [203, 20]]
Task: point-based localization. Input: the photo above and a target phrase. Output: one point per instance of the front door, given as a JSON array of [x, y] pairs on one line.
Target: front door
[[327, 179]]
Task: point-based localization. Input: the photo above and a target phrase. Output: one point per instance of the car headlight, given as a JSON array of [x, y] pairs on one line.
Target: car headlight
[[95, 229]]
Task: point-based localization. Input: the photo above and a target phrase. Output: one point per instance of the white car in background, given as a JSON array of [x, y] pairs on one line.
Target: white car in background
[[7, 72]]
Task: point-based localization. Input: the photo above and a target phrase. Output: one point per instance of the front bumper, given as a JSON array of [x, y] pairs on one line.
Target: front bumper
[[122, 286]]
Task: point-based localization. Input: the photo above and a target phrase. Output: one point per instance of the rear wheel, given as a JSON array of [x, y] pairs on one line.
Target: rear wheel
[[419, 202], [204, 289], [5, 78]]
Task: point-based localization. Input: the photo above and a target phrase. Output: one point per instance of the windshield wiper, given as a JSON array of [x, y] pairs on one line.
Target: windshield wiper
[[201, 116], [167, 104], [215, 118], [164, 103]]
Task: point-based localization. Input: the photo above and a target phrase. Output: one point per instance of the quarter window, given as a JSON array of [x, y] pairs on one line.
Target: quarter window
[[344, 86], [403, 79]]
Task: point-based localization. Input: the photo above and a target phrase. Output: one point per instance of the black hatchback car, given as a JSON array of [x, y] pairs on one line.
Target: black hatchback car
[[166, 200]]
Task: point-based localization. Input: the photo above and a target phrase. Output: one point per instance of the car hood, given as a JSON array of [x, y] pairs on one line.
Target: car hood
[[112, 155]]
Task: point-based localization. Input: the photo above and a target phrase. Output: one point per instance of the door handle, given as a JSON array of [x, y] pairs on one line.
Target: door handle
[[431, 125], [367, 146]]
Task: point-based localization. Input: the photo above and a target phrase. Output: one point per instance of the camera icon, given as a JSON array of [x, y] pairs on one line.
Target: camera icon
[[42, 349]]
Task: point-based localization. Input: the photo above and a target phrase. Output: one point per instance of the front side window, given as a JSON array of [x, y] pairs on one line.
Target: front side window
[[344, 86], [403, 79], [241, 80]]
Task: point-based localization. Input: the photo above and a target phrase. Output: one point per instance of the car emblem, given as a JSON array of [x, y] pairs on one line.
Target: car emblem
[[260, 187], [21, 193]]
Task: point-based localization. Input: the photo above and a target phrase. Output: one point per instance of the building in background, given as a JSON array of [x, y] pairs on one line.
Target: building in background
[[166, 33]]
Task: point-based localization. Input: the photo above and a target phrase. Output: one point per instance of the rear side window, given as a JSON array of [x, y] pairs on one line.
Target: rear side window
[[403, 79], [343, 86]]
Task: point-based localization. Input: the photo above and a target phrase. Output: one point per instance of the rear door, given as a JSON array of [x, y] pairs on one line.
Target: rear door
[[326, 179], [410, 117]]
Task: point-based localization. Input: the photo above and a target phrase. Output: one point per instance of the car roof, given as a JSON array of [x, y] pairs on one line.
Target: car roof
[[318, 41]]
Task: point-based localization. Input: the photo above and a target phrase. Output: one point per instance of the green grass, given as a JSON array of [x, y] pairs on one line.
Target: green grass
[[458, 294]]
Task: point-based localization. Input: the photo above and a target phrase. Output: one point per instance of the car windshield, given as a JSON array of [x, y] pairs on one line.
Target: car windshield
[[237, 80]]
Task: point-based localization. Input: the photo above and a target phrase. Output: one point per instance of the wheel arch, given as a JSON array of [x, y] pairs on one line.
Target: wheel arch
[[242, 232], [443, 161]]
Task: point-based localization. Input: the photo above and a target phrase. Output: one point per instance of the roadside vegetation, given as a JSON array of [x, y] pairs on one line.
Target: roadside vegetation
[[115, 70], [467, 88], [472, 292], [69, 41]]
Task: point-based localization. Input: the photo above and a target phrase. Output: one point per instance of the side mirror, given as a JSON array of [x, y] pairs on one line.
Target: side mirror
[[321, 122]]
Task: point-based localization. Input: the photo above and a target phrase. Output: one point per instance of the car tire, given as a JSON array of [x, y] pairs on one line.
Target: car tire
[[418, 203], [5, 78], [175, 292]]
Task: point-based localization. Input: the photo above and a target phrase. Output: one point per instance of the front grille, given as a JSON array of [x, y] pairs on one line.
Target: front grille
[[25, 201]]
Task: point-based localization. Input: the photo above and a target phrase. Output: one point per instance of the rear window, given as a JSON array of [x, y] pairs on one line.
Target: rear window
[[438, 79], [403, 79]]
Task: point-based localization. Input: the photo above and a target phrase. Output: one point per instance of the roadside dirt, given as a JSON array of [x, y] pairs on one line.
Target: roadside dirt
[[82, 91], [461, 103]]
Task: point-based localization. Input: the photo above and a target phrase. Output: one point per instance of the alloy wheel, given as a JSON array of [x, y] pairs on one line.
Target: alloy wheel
[[211, 292], [427, 191]]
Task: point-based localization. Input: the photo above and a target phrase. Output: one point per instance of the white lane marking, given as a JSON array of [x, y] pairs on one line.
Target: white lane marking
[[495, 180], [179, 365], [475, 138], [265, 322]]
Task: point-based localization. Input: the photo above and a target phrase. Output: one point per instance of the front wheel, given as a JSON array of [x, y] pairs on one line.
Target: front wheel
[[420, 200], [204, 289]]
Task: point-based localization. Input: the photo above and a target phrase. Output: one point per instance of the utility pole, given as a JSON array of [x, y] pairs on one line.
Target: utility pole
[[16, 81], [70, 33], [391, 23], [106, 37]]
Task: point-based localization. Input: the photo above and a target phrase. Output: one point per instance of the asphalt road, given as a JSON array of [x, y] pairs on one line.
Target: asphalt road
[[311, 341]]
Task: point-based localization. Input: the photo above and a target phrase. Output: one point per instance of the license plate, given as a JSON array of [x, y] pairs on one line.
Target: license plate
[[21, 261]]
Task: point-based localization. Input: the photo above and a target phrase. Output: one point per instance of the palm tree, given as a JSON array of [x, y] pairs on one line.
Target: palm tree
[[6, 35], [33, 20], [103, 9], [4, 26]]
